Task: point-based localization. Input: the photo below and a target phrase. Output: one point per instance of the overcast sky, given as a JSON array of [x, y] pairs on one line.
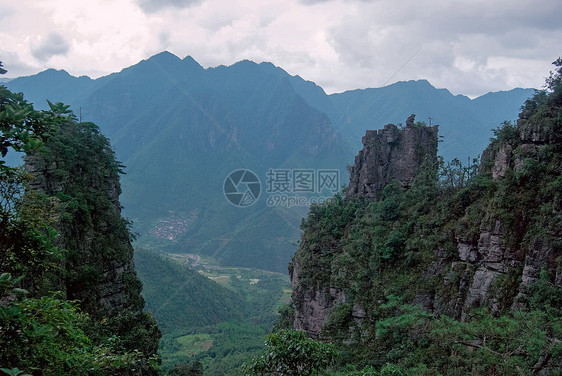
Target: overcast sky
[[468, 46]]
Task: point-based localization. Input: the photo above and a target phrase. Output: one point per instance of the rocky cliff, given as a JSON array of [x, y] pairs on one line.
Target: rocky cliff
[[448, 248], [77, 170], [388, 154]]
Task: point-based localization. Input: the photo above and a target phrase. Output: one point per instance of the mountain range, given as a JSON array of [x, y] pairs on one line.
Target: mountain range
[[181, 129]]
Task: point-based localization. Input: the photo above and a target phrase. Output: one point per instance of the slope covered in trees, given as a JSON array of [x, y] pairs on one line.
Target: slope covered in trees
[[458, 273], [70, 300], [218, 325]]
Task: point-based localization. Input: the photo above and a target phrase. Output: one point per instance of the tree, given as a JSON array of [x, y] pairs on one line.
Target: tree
[[291, 352], [187, 369], [554, 81]]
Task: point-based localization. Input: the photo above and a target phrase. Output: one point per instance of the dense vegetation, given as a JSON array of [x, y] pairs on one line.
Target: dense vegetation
[[61, 235], [384, 255]]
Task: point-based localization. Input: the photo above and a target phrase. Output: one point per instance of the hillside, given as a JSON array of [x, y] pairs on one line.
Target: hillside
[[442, 268], [180, 298], [216, 316]]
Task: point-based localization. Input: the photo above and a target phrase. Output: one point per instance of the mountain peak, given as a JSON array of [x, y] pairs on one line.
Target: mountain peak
[[164, 57], [191, 62], [245, 63], [422, 83], [51, 72]]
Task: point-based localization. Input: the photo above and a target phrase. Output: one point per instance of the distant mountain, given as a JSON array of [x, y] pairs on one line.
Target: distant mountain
[[181, 129], [465, 124], [53, 84]]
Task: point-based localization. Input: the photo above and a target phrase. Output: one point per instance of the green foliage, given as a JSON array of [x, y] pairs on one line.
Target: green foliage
[[182, 298], [26, 220], [291, 352], [286, 318], [219, 325], [47, 335], [411, 342], [186, 369], [386, 370], [554, 81], [7, 285], [506, 133], [60, 239], [454, 175], [14, 372], [546, 296], [323, 228], [22, 128], [221, 349]]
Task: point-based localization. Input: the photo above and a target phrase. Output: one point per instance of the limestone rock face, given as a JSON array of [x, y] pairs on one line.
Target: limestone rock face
[[109, 293], [391, 153], [314, 305]]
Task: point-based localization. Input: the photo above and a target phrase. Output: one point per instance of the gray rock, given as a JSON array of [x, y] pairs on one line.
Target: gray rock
[[389, 154]]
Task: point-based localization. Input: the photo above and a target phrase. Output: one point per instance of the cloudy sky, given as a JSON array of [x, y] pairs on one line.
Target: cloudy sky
[[468, 46]]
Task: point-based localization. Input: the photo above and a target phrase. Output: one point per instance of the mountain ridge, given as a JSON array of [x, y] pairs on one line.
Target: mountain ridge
[[181, 128]]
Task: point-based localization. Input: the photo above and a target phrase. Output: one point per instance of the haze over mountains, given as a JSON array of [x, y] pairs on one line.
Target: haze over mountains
[[181, 129]]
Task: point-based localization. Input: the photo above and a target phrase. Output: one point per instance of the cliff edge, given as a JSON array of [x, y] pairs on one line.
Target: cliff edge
[[78, 175]]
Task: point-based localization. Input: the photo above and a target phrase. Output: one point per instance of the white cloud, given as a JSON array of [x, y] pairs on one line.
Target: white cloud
[[470, 46]]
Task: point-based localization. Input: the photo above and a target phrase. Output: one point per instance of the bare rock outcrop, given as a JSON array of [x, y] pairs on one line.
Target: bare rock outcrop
[[388, 154], [488, 264]]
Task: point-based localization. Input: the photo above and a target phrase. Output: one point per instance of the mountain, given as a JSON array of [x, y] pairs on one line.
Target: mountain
[[181, 130], [51, 84], [465, 124], [452, 270]]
